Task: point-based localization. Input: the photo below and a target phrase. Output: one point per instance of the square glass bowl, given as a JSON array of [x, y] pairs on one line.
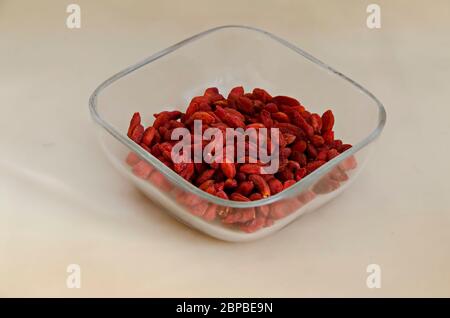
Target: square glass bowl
[[225, 57]]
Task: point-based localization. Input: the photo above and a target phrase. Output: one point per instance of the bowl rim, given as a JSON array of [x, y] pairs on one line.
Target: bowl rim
[[296, 188]]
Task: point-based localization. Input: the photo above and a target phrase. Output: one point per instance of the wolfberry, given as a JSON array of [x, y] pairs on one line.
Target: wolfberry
[[327, 121], [135, 121], [306, 142]]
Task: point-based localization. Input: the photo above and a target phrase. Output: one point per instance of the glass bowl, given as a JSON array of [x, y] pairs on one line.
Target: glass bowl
[[225, 57]]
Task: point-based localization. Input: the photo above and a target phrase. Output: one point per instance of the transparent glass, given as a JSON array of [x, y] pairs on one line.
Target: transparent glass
[[226, 57]]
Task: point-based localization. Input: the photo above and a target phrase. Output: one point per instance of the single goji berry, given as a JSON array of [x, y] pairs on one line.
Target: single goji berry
[[260, 184], [285, 100], [327, 121], [135, 121]]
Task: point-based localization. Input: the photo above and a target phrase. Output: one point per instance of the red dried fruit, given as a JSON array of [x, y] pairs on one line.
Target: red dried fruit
[[235, 196], [260, 184], [255, 125], [205, 117], [206, 185], [285, 100], [285, 175], [332, 153], [263, 211], [245, 188], [236, 92], [247, 214], [300, 173], [221, 194], [317, 141], [146, 148], [311, 151], [229, 169], [162, 118], [149, 135], [345, 147], [266, 119], [220, 186], [188, 199], [313, 165], [316, 122], [261, 94], [253, 225], [338, 174], [327, 121], [142, 169], [166, 150], [230, 119], [159, 181], [234, 112], [303, 124], [275, 186], [277, 210], [250, 168], [306, 196], [290, 129], [137, 134], [210, 213], [171, 115], [306, 115], [348, 163], [281, 117], [299, 146], [232, 217], [288, 183], [132, 159], [288, 109], [328, 137], [245, 105], [230, 184], [211, 91], [198, 210], [326, 185], [255, 196], [299, 157], [289, 138], [134, 122], [337, 144], [271, 108], [206, 175], [322, 155], [188, 172], [241, 176], [293, 165]]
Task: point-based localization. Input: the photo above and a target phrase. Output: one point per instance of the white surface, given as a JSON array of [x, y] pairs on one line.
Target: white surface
[[61, 202]]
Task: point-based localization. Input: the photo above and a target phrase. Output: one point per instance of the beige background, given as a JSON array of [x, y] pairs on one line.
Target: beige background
[[61, 202]]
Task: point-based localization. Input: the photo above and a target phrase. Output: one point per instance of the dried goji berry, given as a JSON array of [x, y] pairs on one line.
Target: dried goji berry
[[235, 196], [245, 187], [327, 121], [229, 169], [285, 100], [275, 186], [306, 142], [137, 134], [135, 121], [260, 184]]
